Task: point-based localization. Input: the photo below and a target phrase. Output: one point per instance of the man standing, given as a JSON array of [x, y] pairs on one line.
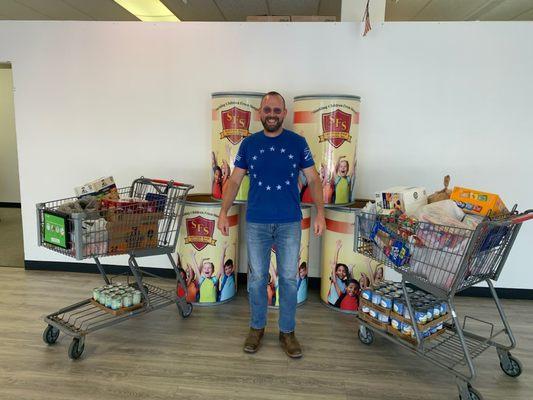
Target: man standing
[[273, 159]]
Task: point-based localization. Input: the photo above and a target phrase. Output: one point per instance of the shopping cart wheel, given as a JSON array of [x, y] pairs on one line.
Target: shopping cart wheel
[[50, 334], [366, 336], [76, 348], [185, 311], [513, 368], [473, 394]]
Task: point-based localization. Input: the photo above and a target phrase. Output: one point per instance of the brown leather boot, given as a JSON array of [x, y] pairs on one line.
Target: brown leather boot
[[290, 345], [252, 342]]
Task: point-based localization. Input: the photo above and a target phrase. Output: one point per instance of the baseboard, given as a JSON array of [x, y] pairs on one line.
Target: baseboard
[[313, 282], [91, 268], [9, 205]]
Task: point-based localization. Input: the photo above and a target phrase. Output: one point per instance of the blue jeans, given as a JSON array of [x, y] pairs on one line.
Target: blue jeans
[[260, 238]]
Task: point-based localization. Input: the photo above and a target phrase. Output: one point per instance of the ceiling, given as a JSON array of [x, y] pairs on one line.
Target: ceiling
[[238, 10]]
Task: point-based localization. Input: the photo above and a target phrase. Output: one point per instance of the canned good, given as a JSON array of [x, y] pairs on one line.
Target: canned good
[[386, 302], [396, 324], [429, 311], [410, 290], [367, 294], [434, 329], [384, 318], [392, 288], [426, 333], [116, 302], [399, 306], [384, 290], [108, 297], [373, 313], [136, 297], [96, 294], [101, 297], [398, 285], [400, 292], [443, 308], [376, 297], [421, 314], [436, 310], [407, 329], [365, 309], [406, 314], [440, 326], [127, 300]]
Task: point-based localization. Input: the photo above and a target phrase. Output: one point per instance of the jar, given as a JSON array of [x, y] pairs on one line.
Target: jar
[[373, 313], [406, 314], [436, 310], [443, 307], [407, 329]]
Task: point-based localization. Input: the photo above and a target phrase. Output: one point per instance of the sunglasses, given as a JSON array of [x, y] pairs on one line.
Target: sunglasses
[[268, 110]]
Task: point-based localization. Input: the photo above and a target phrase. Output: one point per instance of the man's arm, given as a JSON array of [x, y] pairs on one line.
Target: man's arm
[[313, 180], [228, 198]]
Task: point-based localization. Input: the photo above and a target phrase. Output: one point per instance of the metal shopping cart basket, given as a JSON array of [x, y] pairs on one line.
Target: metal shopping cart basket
[[443, 260], [144, 222]]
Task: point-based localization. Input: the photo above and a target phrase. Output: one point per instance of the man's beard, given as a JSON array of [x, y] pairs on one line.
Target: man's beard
[[272, 128]]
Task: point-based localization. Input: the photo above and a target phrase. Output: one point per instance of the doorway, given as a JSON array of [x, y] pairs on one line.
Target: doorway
[[11, 241]]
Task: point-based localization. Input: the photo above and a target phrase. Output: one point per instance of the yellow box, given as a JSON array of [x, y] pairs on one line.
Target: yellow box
[[477, 202]]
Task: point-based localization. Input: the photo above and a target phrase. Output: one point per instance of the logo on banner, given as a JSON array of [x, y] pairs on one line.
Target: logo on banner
[[200, 232], [235, 124], [336, 128]]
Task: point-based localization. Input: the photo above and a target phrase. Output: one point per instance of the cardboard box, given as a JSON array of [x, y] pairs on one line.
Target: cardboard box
[[102, 188], [313, 18], [478, 202], [268, 18], [126, 237], [404, 198]]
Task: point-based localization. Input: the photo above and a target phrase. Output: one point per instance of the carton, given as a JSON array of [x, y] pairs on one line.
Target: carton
[[123, 238], [102, 188], [404, 198], [478, 202]]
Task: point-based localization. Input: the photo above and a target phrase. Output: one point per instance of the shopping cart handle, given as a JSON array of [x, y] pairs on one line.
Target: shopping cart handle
[[525, 216], [165, 182]]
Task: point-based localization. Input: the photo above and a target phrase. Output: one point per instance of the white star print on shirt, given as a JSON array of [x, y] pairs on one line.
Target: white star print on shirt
[[278, 187], [255, 175], [287, 183], [291, 156], [251, 167], [272, 148], [268, 187], [262, 151], [283, 150], [294, 165], [254, 158]]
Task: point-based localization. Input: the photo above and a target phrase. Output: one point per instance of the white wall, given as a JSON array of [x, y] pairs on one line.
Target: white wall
[[127, 99], [9, 176]]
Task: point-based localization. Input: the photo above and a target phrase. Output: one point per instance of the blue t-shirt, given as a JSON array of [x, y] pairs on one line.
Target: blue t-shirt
[[273, 165]]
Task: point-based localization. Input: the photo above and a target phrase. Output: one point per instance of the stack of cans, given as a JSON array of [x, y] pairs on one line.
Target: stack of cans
[[117, 296], [390, 296]]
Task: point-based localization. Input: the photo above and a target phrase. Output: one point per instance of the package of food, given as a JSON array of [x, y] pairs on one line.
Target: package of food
[[103, 188], [443, 194], [121, 210], [478, 202], [404, 198]]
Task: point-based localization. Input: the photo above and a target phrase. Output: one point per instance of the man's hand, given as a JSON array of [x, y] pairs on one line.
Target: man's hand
[[223, 223], [320, 224]]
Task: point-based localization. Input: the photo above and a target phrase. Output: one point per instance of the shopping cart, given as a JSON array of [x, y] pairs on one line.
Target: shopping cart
[[444, 260], [148, 225]]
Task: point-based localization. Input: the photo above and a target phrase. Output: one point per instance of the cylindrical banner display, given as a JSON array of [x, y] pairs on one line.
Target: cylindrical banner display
[[207, 259], [303, 265], [234, 117], [344, 273], [330, 124]]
